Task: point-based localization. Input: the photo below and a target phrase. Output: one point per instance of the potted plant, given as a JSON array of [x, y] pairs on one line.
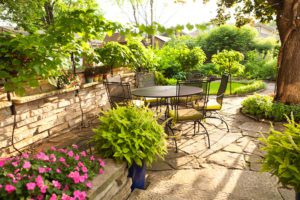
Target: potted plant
[[66, 80], [133, 135], [282, 157], [89, 74]]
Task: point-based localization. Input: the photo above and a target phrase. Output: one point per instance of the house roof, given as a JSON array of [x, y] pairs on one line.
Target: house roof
[[163, 38], [115, 37]]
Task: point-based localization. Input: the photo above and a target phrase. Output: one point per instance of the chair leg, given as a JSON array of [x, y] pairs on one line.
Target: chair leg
[[175, 141], [222, 120], [206, 132], [195, 127]]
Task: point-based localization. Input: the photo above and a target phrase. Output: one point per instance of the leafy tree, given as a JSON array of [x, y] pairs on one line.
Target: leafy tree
[[114, 54], [143, 57], [173, 60], [227, 37], [229, 62], [286, 13], [55, 32], [260, 65]]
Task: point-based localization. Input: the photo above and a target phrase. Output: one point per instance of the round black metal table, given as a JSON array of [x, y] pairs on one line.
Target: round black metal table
[[165, 91]]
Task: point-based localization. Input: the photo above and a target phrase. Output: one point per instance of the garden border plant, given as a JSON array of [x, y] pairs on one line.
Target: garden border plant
[[263, 107], [63, 173], [282, 157]]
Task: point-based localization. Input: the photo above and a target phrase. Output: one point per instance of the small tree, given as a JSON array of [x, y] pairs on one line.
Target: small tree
[[229, 62], [114, 54], [143, 57]]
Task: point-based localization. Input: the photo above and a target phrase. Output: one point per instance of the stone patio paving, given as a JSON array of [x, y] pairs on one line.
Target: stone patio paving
[[229, 170]]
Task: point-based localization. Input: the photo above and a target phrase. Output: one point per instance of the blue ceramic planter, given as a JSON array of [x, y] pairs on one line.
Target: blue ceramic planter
[[138, 175]]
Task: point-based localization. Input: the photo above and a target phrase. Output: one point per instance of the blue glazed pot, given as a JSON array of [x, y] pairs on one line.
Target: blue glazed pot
[[138, 174], [297, 195]]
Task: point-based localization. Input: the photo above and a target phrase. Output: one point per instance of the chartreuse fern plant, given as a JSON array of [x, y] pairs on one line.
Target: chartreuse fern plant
[[282, 157], [131, 134]]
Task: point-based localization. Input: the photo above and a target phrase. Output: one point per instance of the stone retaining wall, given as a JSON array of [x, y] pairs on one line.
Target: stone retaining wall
[[56, 112]]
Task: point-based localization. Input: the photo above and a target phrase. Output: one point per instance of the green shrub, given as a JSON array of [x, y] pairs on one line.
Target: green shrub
[[257, 105], [260, 65], [263, 107], [131, 134], [282, 157], [251, 87], [208, 69]]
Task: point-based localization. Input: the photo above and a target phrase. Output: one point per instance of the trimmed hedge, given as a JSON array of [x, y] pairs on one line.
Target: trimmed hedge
[[263, 107], [251, 87]]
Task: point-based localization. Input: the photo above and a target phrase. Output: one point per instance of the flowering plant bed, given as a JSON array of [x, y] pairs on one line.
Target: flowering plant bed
[[55, 174]]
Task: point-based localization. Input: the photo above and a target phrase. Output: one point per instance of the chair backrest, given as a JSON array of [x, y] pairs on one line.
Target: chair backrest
[[116, 78], [145, 79], [222, 88], [194, 75], [118, 93], [201, 97]]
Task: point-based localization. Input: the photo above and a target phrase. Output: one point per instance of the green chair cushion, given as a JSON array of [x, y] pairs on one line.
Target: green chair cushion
[[189, 114], [151, 100]]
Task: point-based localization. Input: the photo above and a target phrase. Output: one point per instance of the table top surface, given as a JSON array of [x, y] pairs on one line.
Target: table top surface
[[165, 91]]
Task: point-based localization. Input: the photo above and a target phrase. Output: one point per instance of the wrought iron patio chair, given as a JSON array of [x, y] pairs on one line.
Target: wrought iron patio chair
[[213, 106], [194, 75], [148, 80], [116, 78], [180, 113], [120, 94]]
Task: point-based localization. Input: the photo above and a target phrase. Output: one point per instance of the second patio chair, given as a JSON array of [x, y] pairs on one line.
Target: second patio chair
[[181, 113], [120, 94], [213, 106], [147, 80]]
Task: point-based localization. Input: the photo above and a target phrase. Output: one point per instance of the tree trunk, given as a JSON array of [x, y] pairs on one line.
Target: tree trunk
[[288, 80], [152, 21]]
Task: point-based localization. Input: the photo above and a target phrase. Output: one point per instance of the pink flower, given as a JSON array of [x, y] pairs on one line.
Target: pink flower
[[66, 188], [89, 185], [42, 170], [62, 150], [42, 156], [52, 157], [80, 164], [25, 155], [15, 164], [11, 176], [101, 171], [71, 153], [66, 197], [30, 186], [79, 195], [75, 146], [40, 197], [39, 181], [76, 157], [56, 184], [53, 197], [83, 153], [101, 162], [43, 189], [16, 171], [2, 162], [26, 165], [61, 159], [9, 188], [84, 169], [58, 171], [1, 186], [75, 176], [53, 148], [92, 158]]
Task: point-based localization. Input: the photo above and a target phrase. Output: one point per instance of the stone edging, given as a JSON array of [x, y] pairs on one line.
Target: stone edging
[[257, 119]]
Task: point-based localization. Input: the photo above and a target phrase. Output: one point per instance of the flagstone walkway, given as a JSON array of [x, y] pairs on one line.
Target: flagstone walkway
[[229, 170]]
